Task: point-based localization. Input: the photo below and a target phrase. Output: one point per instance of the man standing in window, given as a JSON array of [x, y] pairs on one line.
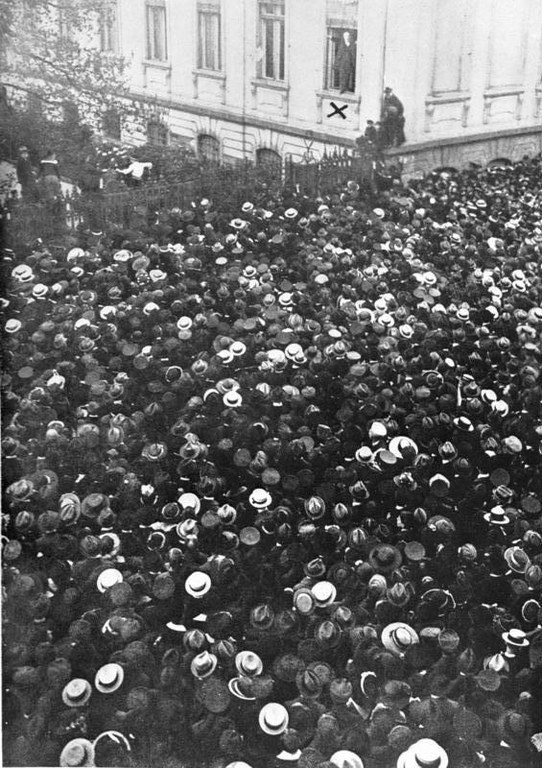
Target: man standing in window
[[346, 62]]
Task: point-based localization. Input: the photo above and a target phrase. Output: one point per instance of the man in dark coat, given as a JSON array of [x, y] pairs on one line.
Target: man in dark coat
[[25, 175], [393, 120], [346, 61]]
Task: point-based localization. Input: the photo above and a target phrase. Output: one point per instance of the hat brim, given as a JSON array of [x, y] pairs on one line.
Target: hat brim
[[111, 688], [80, 701], [408, 759], [89, 753], [233, 686]]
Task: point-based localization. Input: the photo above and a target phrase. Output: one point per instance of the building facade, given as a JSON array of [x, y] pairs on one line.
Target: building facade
[[261, 79]]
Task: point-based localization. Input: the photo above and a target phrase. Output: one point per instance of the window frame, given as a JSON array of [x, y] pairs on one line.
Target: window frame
[[150, 40], [207, 11], [109, 28], [277, 18]]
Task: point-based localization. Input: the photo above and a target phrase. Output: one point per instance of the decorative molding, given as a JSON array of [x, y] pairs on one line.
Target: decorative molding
[[490, 94], [146, 63], [282, 88], [448, 97], [538, 101], [453, 97], [209, 74]]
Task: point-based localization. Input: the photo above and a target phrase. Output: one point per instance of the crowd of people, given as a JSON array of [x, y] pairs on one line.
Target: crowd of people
[[272, 484]]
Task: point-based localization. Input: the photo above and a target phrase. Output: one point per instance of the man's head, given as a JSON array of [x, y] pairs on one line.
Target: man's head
[[347, 37], [388, 90], [23, 151]]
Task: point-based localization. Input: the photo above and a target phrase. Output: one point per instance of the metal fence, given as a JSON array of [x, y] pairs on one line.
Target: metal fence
[[332, 172], [227, 186]]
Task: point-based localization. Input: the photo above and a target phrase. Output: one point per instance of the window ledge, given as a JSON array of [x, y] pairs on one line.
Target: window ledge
[[346, 98], [447, 98], [275, 85], [214, 74], [506, 90], [157, 64]]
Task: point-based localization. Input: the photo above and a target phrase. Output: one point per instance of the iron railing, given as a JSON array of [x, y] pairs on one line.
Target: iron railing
[[227, 186]]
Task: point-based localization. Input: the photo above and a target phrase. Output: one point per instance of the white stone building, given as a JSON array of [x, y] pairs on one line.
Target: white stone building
[[256, 78]]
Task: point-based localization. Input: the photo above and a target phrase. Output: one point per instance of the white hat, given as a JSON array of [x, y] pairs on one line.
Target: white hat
[[324, 593], [344, 758], [77, 692], [186, 500], [260, 498], [23, 273], [238, 348], [75, 253], [198, 584], [273, 719], [400, 443], [184, 323], [109, 678], [13, 325], [238, 763], [108, 578], [425, 753], [377, 430], [248, 664], [203, 665], [398, 636], [232, 399], [77, 752]]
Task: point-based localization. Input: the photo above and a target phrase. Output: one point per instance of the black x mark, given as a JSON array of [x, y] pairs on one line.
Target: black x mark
[[338, 110]]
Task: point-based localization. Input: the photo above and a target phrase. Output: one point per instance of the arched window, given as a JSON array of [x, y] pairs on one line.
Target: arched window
[[157, 133], [269, 161], [208, 148]]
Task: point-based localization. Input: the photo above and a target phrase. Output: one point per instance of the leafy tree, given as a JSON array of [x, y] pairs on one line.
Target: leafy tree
[[50, 48], [58, 85]]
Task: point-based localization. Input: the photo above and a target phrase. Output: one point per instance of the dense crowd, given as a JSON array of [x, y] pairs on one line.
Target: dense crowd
[[272, 484]]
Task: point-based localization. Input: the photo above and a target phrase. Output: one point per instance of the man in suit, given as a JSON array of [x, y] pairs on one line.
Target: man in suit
[[393, 120], [346, 62], [25, 175]]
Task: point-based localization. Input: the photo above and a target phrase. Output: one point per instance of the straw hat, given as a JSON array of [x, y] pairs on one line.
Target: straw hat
[[109, 678], [425, 753], [203, 665], [76, 753], [248, 664], [515, 638], [242, 688], [385, 558], [198, 584], [77, 692], [324, 593], [108, 578], [344, 758], [497, 516], [398, 637], [260, 498], [273, 719], [189, 501]]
